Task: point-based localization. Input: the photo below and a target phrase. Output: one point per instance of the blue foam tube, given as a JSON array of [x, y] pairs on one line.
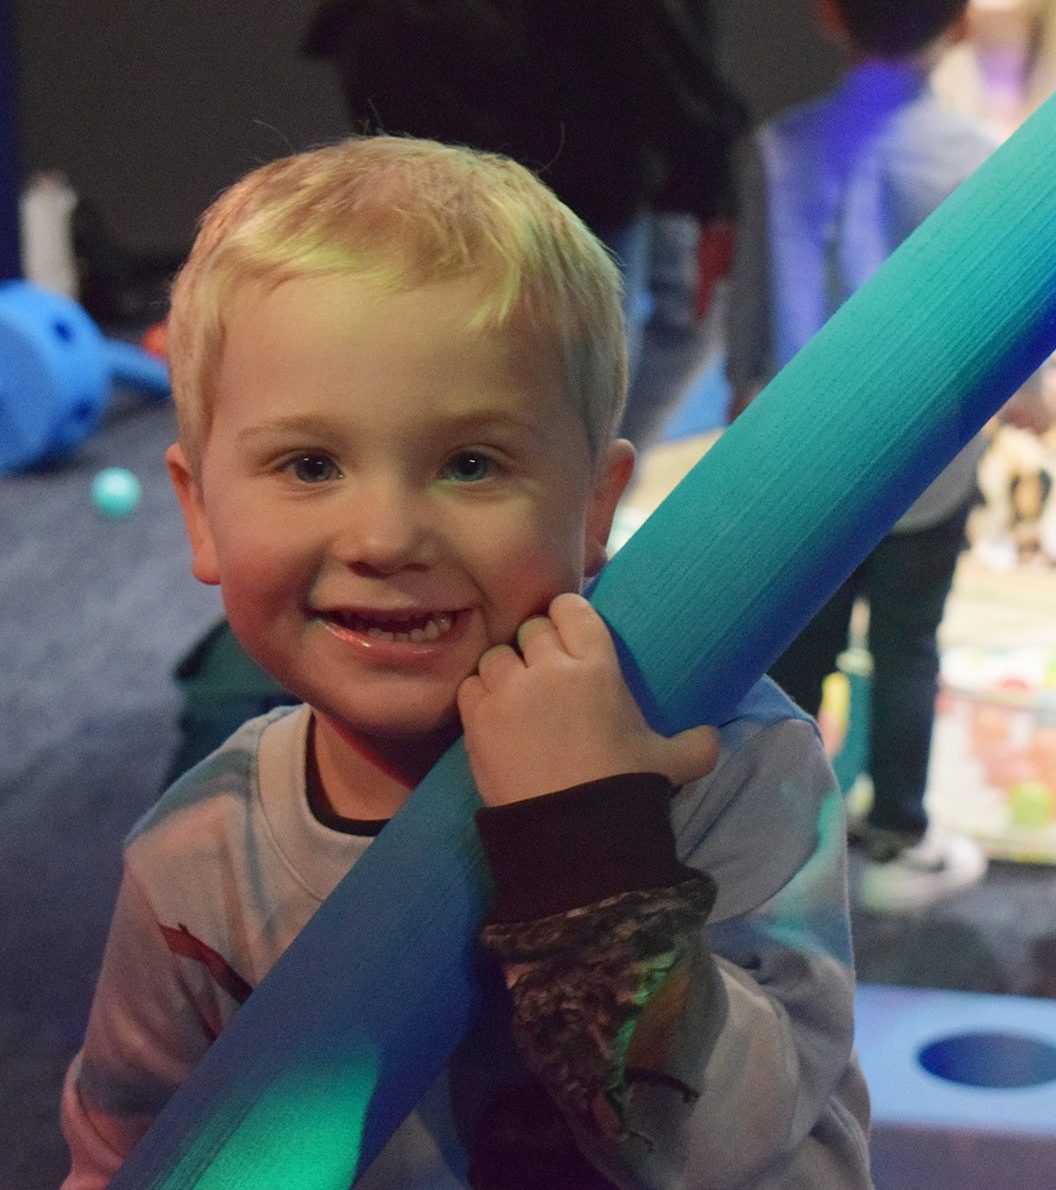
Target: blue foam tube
[[701, 600], [131, 365]]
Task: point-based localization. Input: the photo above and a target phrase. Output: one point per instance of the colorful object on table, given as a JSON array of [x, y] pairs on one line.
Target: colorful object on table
[[700, 600], [993, 773], [116, 492], [56, 369], [1016, 521], [834, 715], [1030, 804], [851, 762]]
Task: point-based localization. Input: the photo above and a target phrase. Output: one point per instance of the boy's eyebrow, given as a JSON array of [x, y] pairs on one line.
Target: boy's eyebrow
[[487, 418], [301, 423], [312, 425]]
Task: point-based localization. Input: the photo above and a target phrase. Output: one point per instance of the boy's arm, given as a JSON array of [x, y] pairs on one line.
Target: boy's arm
[[145, 1034], [673, 1065], [598, 928]]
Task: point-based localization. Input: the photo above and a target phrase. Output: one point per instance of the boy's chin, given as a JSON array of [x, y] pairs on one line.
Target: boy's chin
[[414, 729], [445, 729]]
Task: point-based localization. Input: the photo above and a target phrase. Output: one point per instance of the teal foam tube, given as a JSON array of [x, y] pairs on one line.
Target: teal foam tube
[[362, 1012]]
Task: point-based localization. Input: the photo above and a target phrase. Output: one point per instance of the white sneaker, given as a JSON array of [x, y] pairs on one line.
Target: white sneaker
[[939, 866]]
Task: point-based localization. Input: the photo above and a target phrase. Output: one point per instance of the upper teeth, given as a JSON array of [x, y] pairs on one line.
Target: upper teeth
[[422, 628]]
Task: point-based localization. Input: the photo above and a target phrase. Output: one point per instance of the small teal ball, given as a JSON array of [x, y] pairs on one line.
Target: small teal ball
[[116, 492]]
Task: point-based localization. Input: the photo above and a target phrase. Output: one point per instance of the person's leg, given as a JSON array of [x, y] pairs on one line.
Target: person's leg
[[676, 339], [907, 866], [907, 579], [811, 657], [629, 245]]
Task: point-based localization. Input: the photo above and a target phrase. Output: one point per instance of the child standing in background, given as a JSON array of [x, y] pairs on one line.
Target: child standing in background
[[834, 188]]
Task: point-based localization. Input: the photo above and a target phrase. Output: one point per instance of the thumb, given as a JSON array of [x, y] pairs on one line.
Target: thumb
[[690, 755]]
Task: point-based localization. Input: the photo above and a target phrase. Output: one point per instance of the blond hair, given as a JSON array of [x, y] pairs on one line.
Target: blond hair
[[398, 212]]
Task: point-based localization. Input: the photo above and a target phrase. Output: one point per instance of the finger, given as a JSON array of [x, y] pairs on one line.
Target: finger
[[496, 665], [468, 696], [690, 755], [581, 630], [537, 638]]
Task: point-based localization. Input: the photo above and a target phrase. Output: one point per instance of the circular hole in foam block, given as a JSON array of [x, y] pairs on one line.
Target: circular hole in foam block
[[990, 1060]]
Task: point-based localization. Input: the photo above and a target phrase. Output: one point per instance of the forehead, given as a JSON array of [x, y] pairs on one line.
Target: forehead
[[342, 341]]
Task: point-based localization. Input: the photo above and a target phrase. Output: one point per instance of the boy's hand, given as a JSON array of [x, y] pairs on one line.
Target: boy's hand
[[559, 713]]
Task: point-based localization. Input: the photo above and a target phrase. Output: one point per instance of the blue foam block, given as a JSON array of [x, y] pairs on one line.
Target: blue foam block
[[934, 1130]]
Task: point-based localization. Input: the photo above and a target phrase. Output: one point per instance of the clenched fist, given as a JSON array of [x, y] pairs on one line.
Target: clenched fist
[[558, 713]]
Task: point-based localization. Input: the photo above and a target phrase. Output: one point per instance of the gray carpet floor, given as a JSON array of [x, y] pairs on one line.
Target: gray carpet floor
[[95, 614]]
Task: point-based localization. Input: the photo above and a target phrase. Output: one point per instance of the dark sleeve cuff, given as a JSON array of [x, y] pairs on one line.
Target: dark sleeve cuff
[[582, 845]]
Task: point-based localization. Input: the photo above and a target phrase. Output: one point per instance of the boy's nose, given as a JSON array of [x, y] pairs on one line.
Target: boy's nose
[[388, 528]]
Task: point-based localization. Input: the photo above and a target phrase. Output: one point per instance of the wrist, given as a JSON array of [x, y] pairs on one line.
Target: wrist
[[580, 845]]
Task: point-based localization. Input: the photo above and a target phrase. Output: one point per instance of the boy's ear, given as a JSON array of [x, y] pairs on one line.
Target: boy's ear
[[613, 473], [203, 555]]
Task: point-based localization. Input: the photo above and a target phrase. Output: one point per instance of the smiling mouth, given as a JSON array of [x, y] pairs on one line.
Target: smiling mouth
[[410, 629]]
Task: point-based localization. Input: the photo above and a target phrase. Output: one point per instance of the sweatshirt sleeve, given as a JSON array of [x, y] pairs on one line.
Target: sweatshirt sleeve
[[146, 1031], [684, 1053]]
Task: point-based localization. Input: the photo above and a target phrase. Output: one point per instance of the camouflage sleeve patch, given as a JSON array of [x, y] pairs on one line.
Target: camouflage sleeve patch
[[580, 982]]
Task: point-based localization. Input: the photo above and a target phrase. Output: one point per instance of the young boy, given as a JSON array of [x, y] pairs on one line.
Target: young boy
[[398, 367], [837, 185]]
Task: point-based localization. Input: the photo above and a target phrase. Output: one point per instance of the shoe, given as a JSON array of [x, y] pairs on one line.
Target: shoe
[[896, 877]]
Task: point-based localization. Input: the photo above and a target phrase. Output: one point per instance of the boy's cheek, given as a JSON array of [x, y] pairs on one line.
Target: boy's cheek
[[533, 580]]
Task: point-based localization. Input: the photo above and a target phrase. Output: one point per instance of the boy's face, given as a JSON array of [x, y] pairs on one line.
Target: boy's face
[[384, 495]]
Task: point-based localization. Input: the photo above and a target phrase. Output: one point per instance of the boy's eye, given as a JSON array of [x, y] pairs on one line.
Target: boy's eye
[[469, 466], [312, 468]]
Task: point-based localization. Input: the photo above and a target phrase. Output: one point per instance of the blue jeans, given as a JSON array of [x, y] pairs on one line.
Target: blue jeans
[[906, 580], [668, 345]]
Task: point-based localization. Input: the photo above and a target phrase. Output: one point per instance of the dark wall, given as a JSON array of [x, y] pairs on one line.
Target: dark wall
[[152, 106], [9, 246], [774, 52]]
